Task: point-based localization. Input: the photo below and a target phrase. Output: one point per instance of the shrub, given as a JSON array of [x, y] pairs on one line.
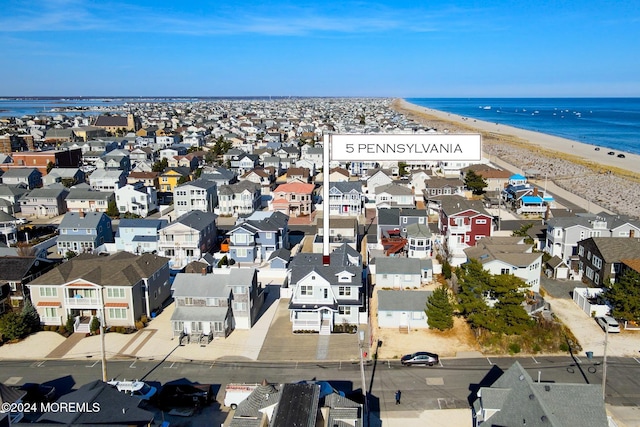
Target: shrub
[[514, 348], [564, 346], [139, 325], [62, 330], [144, 319], [95, 324], [537, 348], [69, 324]]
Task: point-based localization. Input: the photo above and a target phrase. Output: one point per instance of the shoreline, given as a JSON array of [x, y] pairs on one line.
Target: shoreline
[[577, 167]]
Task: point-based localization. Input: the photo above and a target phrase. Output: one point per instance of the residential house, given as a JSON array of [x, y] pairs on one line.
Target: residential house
[[293, 199], [214, 304], [346, 198], [394, 196], [115, 160], [509, 255], [188, 238], [64, 176], [271, 162], [442, 187], [600, 259], [172, 177], [279, 259], [402, 273], [41, 160], [564, 233], [141, 154], [462, 222], [82, 232], [124, 285], [87, 200], [12, 397], [8, 228], [288, 152], [324, 296], [395, 221], [516, 396], [139, 236], [31, 177], [377, 178], [45, 202], [263, 177], [137, 199], [108, 180], [419, 241], [255, 238], [187, 161], [338, 174], [244, 163], [195, 195], [10, 196], [362, 168], [97, 394], [148, 179], [298, 174], [342, 231], [419, 180], [404, 310], [496, 179], [315, 156], [15, 273], [241, 198], [219, 175], [115, 124]]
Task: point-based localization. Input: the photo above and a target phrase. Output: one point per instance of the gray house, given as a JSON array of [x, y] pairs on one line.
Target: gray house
[[195, 195], [402, 309], [257, 237], [31, 177], [402, 273], [45, 202], [83, 232], [10, 196], [515, 396]]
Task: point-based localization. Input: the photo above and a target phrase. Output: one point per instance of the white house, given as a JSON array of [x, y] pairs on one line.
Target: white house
[[402, 309], [137, 199], [402, 273], [188, 238]]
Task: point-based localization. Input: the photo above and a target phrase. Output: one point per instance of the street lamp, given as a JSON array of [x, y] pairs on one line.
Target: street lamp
[[361, 347]]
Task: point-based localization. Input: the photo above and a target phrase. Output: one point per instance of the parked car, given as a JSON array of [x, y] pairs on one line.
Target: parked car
[[597, 148], [608, 323], [611, 153], [37, 393], [184, 395], [622, 156], [420, 358], [138, 389]]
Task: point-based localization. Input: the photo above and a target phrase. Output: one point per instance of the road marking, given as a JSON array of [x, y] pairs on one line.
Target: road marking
[[94, 364], [636, 359], [490, 363], [133, 364], [440, 363], [212, 365], [170, 366], [38, 364], [535, 361], [577, 360], [13, 380]]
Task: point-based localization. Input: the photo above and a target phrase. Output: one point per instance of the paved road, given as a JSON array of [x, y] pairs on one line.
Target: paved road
[[439, 387]]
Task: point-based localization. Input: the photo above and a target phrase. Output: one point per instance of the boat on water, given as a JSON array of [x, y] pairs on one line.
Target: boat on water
[[487, 107]]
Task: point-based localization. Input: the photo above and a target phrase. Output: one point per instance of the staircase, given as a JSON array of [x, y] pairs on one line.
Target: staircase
[[83, 324], [393, 245], [325, 327], [403, 329]]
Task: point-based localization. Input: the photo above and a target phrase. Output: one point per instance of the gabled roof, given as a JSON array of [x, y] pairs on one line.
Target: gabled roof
[[47, 192], [199, 183], [456, 204], [402, 300], [394, 189], [20, 173], [516, 396], [347, 186], [399, 265], [142, 223], [87, 220], [120, 269], [198, 220], [298, 406], [614, 249], [110, 121], [88, 194], [295, 187]]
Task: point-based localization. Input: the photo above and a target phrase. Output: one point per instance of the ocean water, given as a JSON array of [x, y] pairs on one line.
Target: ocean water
[[605, 122]]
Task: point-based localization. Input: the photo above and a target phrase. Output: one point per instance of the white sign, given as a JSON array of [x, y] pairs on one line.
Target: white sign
[[380, 147]]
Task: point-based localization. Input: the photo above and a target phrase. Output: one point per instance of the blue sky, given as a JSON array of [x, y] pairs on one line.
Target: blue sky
[[322, 48]]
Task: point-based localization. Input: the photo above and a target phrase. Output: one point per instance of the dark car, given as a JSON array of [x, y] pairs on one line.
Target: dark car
[[611, 153], [597, 148], [185, 395], [419, 358], [37, 393], [622, 156]]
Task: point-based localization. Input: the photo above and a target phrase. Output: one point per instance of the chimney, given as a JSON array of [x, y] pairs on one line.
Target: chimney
[[81, 214], [204, 271], [535, 191], [632, 233]]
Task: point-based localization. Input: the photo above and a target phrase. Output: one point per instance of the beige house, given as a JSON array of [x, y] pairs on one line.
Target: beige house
[[123, 286]]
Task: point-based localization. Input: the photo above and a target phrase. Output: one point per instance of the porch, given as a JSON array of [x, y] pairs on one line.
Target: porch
[[320, 320]]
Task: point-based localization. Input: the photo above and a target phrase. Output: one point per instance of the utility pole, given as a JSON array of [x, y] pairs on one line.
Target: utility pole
[[103, 329], [364, 385], [604, 361]]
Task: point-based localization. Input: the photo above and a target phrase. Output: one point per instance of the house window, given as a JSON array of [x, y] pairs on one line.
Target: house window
[[420, 220], [596, 279], [241, 252], [597, 262], [169, 252], [48, 292], [50, 312], [188, 301], [196, 327], [239, 306], [118, 313], [115, 293], [344, 310], [581, 250], [505, 271], [306, 290], [481, 221], [178, 326], [217, 327], [344, 290]]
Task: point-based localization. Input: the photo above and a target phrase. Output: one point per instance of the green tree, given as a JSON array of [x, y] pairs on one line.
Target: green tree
[[112, 209], [50, 166], [474, 182], [439, 309], [95, 324], [68, 182], [446, 269], [70, 254], [160, 165], [12, 326], [523, 231], [30, 317], [402, 169], [183, 179], [511, 317], [624, 296], [473, 285]]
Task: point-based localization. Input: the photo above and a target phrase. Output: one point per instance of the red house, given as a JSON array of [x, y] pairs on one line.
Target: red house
[[461, 222]]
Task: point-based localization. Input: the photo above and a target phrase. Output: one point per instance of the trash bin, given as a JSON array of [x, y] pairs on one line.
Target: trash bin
[[589, 354]]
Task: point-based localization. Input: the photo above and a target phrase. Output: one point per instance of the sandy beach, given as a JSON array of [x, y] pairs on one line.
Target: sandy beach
[[606, 180]]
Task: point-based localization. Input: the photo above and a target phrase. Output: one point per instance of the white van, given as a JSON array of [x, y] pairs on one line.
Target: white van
[[135, 388], [235, 393]]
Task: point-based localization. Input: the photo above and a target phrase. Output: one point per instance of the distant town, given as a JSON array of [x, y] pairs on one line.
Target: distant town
[[193, 223]]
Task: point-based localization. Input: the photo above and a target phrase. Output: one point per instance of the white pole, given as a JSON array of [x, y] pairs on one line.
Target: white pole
[[103, 330], [326, 161], [604, 361]]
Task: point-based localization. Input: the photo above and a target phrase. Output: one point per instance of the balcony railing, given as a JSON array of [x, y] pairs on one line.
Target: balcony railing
[[81, 302]]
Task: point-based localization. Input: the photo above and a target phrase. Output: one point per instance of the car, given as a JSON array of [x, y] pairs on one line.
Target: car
[[37, 393], [597, 148], [184, 395], [420, 358], [622, 156], [136, 388], [608, 324], [611, 153]]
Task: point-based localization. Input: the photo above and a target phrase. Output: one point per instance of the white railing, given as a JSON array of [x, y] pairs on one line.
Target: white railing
[[308, 325], [81, 302], [457, 229], [55, 320]]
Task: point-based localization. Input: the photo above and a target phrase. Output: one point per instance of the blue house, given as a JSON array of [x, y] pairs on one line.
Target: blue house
[[139, 236], [517, 179], [255, 238], [83, 232], [280, 258]]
